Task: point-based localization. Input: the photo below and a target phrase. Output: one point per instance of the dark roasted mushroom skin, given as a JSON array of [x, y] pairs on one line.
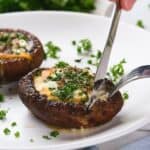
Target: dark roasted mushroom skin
[[63, 114], [13, 69]]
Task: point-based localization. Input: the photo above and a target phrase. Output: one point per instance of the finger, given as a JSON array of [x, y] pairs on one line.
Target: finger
[[127, 4]]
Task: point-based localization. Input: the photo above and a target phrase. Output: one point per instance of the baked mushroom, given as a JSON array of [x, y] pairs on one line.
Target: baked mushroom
[[20, 52], [58, 96]]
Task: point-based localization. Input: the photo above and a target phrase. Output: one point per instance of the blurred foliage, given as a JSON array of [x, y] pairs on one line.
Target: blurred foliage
[[23, 5]]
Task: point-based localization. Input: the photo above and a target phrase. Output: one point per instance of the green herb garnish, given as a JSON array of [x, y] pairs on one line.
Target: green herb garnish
[[78, 60], [74, 79], [125, 96], [46, 137], [84, 45], [51, 50], [51, 134], [61, 64], [3, 114], [1, 97], [90, 62], [73, 42], [56, 78], [140, 24], [17, 134], [98, 55], [66, 92], [38, 73], [6, 131], [95, 58], [54, 133], [13, 124], [117, 71]]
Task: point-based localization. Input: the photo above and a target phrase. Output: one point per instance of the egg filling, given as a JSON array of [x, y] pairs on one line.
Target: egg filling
[[64, 83], [14, 44]]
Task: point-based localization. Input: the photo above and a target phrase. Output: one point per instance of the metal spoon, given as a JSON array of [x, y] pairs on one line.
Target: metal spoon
[[102, 89], [138, 73]]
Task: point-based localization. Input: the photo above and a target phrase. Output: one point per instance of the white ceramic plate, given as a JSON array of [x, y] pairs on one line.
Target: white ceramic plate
[[131, 43]]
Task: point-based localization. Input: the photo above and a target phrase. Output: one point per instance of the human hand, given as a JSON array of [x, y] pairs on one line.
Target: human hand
[[125, 4]]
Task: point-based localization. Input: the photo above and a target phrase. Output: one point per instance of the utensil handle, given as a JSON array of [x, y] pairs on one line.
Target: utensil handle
[[103, 64]]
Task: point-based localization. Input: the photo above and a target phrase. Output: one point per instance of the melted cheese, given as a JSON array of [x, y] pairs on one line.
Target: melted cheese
[[44, 84], [46, 87], [13, 56]]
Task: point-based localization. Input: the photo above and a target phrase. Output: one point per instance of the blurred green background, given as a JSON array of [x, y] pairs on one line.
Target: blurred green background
[[24, 5]]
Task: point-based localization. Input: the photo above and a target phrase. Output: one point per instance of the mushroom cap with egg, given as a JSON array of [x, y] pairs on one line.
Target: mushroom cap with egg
[[20, 52], [58, 96]]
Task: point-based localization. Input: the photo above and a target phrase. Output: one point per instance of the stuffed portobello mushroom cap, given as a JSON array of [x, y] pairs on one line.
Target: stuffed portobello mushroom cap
[[20, 52], [58, 96]]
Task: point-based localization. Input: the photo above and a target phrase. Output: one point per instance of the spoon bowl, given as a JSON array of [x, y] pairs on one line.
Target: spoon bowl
[[103, 92], [137, 73]]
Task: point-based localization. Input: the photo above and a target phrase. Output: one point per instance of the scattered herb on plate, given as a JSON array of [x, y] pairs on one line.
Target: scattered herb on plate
[[54, 133], [7, 131], [78, 60], [117, 71], [13, 124], [1, 97], [46, 137], [51, 50], [125, 96], [51, 134], [95, 58], [82, 46], [90, 62], [140, 24], [74, 42], [17, 134], [3, 114]]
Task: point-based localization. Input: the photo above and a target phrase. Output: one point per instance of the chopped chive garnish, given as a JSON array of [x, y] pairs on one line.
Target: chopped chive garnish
[[79, 49], [17, 134], [99, 54], [73, 42], [95, 58], [54, 133], [46, 137], [117, 71], [1, 97], [84, 45], [125, 96], [6, 131], [13, 124], [3, 114], [78, 60], [51, 50], [89, 62], [61, 64], [140, 24]]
